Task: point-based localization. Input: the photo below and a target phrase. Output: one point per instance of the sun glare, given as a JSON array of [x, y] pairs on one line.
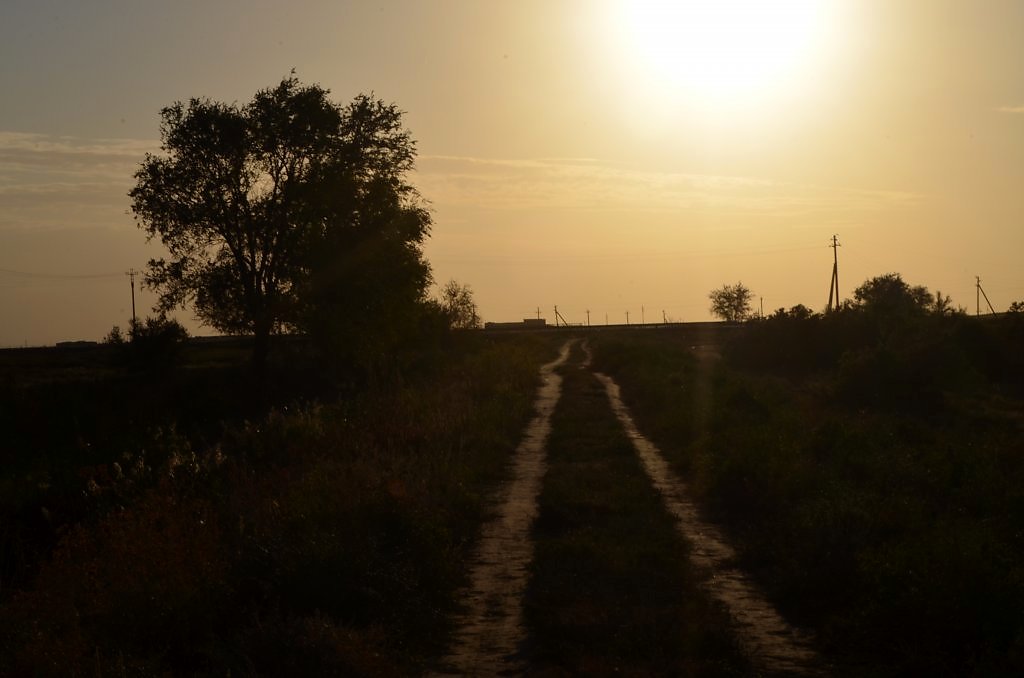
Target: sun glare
[[722, 52]]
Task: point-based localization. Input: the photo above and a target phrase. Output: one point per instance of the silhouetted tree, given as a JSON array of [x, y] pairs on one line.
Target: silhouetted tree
[[801, 312], [731, 302], [459, 307], [158, 329], [115, 337], [157, 341], [889, 295], [289, 211], [798, 312], [943, 305]]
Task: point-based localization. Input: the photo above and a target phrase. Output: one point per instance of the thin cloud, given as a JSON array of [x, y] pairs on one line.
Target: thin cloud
[[25, 157], [47, 143], [1011, 109], [49, 181], [554, 184]]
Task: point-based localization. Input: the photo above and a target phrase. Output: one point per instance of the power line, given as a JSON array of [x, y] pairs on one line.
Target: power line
[[618, 256], [59, 276]]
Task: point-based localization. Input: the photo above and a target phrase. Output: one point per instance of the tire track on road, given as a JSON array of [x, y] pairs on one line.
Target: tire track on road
[[489, 629], [772, 644]]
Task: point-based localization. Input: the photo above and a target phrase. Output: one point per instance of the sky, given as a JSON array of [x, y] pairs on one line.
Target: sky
[[608, 156]]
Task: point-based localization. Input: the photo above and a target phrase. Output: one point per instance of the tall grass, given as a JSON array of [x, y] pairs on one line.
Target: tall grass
[[891, 524], [321, 539]]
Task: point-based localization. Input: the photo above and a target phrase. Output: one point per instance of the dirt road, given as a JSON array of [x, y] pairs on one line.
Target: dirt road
[[491, 638]]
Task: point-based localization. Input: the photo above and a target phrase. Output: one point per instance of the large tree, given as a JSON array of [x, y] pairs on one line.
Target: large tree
[[290, 211]]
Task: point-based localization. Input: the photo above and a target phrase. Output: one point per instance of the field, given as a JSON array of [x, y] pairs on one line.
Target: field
[[176, 523], [878, 496], [181, 519]]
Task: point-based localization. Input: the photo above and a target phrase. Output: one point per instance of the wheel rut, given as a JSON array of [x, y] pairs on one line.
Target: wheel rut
[[489, 629], [772, 645]]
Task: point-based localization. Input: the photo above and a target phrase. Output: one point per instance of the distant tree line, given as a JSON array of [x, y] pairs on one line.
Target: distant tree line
[[893, 342]]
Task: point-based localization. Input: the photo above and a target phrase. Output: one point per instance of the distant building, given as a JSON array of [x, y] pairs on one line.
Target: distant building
[[527, 324]]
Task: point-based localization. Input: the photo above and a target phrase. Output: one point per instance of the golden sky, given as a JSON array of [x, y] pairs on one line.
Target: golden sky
[[595, 154]]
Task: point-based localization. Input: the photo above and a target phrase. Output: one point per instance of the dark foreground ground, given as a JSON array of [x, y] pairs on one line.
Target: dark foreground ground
[[179, 520]]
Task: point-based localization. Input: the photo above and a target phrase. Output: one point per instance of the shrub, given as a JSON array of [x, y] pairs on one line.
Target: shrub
[[157, 341]]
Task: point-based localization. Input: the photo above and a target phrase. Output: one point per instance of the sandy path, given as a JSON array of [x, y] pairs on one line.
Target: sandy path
[[773, 645], [489, 629]]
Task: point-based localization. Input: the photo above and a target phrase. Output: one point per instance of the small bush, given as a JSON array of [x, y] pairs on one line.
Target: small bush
[[157, 342]]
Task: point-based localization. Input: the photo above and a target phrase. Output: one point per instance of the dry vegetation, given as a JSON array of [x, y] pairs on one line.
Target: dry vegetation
[[177, 518], [869, 467], [323, 538]]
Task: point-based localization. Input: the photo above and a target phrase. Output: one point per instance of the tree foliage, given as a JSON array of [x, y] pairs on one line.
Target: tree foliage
[[889, 295], [942, 304], [458, 306], [291, 211], [731, 302]]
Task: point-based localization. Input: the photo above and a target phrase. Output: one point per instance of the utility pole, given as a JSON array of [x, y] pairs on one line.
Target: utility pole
[[606, 318], [627, 317], [588, 317], [762, 307], [981, 293], [643, 321], [560, 317], [833, 289], [538, 313], [664, 320], [131, 276]]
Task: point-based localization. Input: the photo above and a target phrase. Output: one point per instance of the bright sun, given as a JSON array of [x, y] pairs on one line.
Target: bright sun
[[722, 52]]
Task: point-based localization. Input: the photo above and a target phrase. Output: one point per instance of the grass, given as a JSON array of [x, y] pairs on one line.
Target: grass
[[891, 528], [611, 589], [68, 414], [327, 536], [324, 538]]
